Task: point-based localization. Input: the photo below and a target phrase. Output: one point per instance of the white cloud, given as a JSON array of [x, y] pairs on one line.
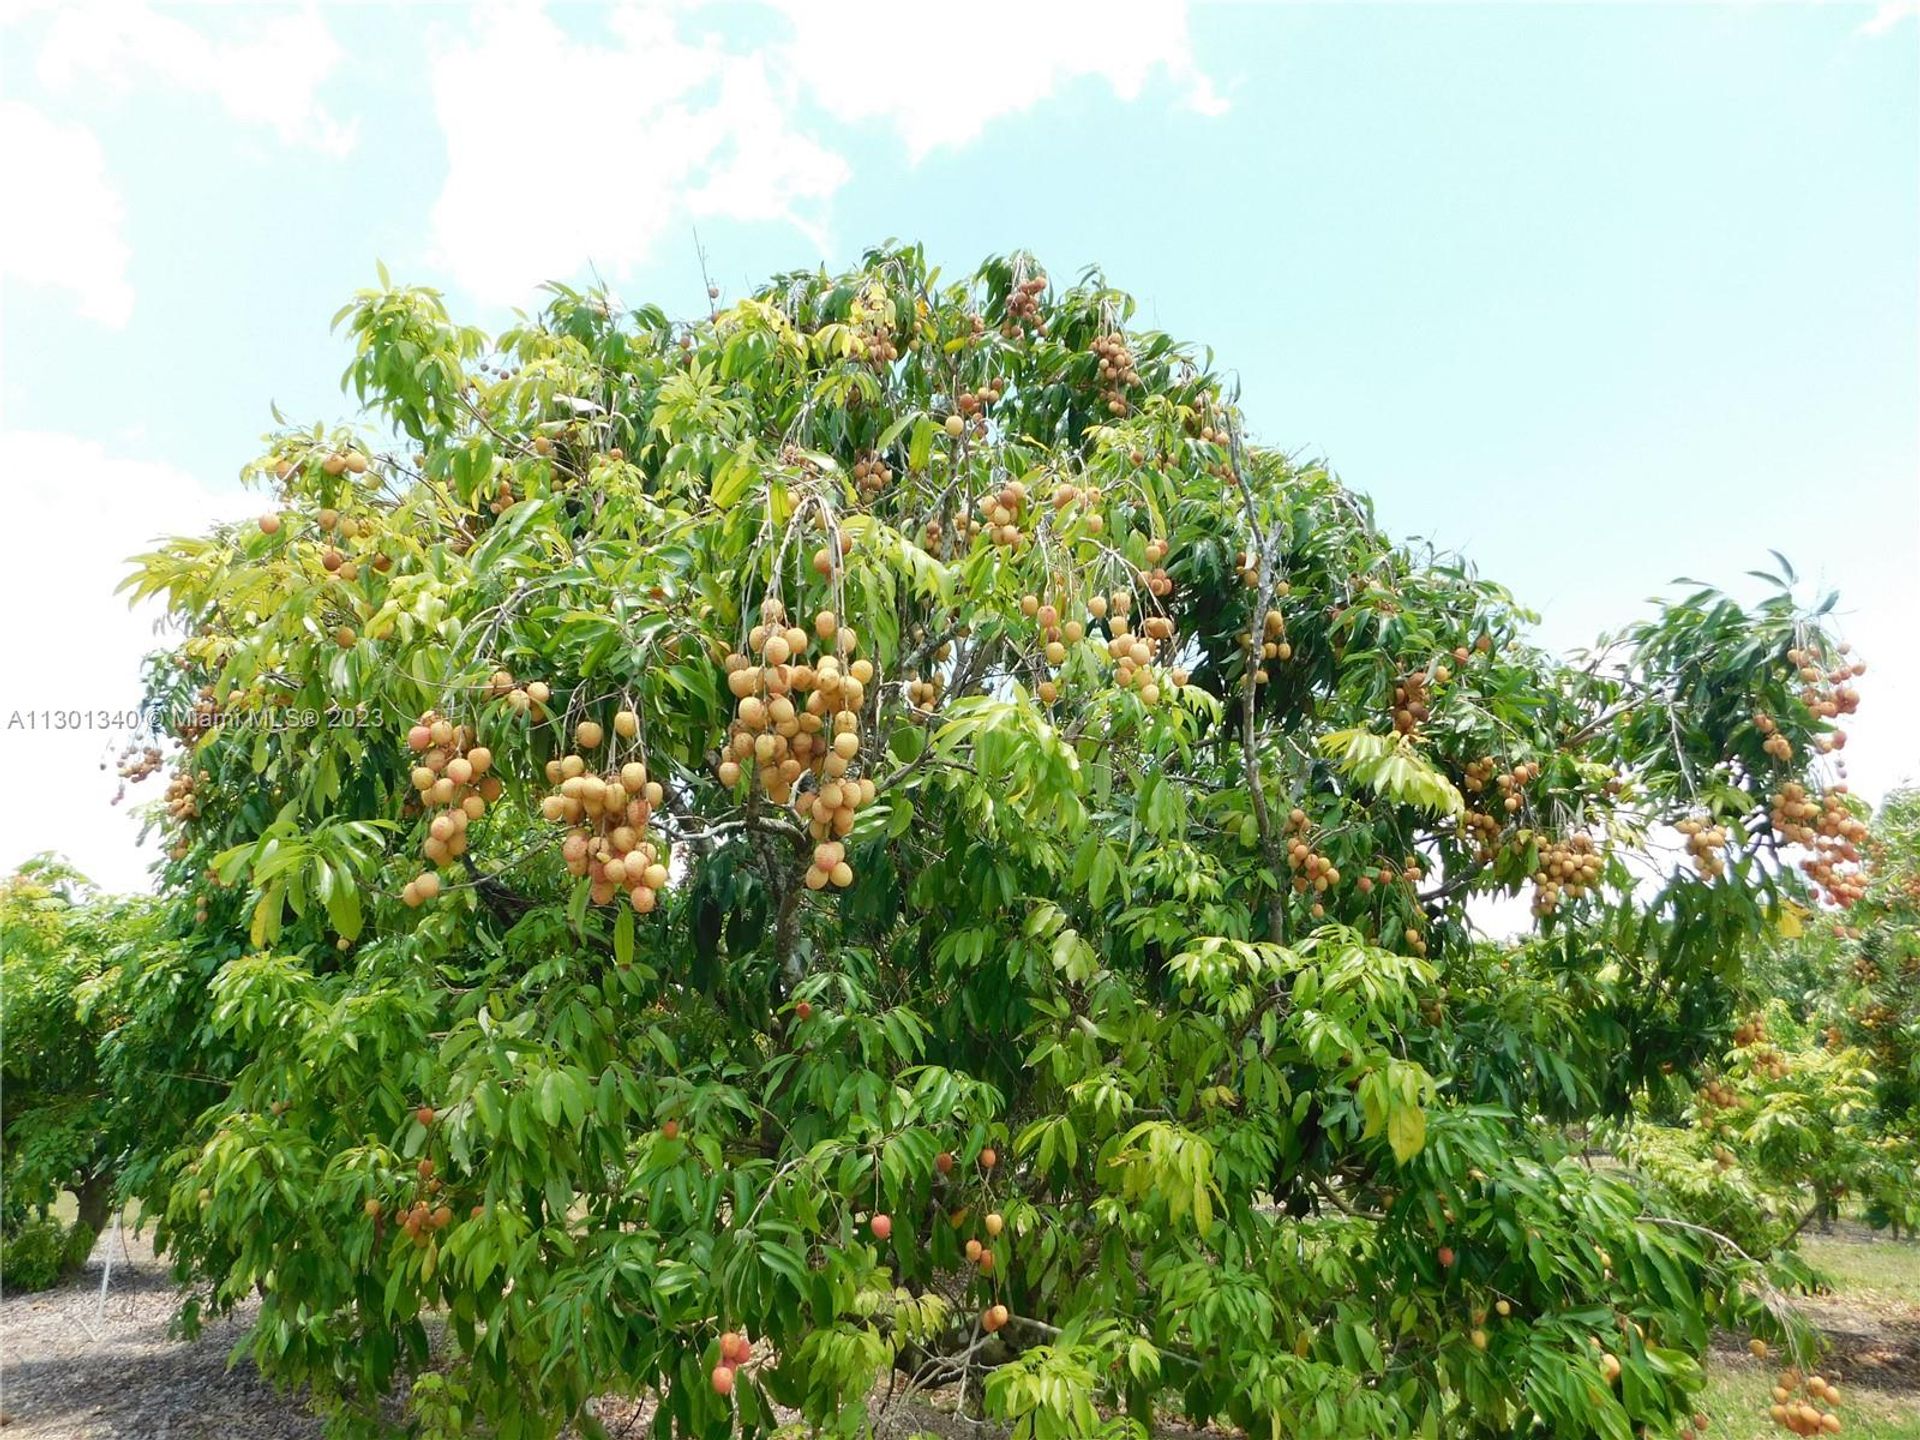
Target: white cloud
[[988, 59], [1888, 14], [67, 221], [665, 122], [75, 646], [266, 68], [656, 129]]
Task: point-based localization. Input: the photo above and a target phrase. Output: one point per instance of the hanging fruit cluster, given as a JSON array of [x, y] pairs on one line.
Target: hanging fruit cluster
[[1831, 831], [607, 843], [1117, 374], [1568, 869], [1055, 638], [783, 745], [1023, 307], [182, 800], [137, 762], [1484, 831], [1751, 1031], [1132, 652], [1706, 846], [1776, 744], [1159, 583], [1796, 1405], [1312, 871], [1002, 511], [426, 1214], [1718, 1095], [872, 340], [1410, 702], [450, 775], [1274, 645], [872, 475], [1513, 784], [529, 700], [972, 404]]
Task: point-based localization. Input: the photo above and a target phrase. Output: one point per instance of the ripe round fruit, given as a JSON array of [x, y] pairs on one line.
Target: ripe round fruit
[[735, 1348], [1445, 1256], [420, 738], [372, 1207], [882, 1226], [424, 1114], [989, 1158], [269, 524], [671, 1129], [943, 1162], [626, 724], [803, 1011], [723, 1379], [956, 427], [995, 1223], [974, 1250], [589, 735]]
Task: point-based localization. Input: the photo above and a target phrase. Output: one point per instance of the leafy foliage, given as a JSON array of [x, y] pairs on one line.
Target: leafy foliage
[[1122, 1033]]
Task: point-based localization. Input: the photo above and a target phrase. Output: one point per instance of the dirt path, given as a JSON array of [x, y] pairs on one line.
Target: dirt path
[[71, 1369]]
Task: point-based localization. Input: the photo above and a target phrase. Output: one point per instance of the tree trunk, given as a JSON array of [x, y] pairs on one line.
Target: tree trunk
[[94, 1199]]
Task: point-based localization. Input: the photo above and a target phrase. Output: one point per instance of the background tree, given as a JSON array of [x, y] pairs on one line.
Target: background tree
[[877, 829]]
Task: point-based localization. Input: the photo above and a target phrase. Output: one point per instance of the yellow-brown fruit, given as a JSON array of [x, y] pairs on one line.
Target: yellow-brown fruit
[[588, 735], [626, 724]]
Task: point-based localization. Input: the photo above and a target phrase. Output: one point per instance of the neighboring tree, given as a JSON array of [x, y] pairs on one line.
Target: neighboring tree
[[57, 1114], [877, 829]]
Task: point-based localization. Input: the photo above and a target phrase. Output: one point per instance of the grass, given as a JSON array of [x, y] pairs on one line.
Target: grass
[[1740, 1390], [1871, 1272], [1876, 1289]]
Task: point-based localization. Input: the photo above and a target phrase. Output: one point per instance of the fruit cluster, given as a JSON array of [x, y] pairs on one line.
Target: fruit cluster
[[1410, 702], [1751, 1031], [1513, 784], [608, 813], [872, 475], [1132, 653], [1274, 645], [1116, 370], [1312, 871], [1023, 306], [785, 744], [1776, 744], [1706, 845], [1796, 1404], [182, 798], [427, 1214], [1718, 1095], [451, 775], [1001, 511], [529, 700], [872, 340], [1159, 583], [137, 762], [735, 1351], [972, 404], [1833, 834], [1568, 869]]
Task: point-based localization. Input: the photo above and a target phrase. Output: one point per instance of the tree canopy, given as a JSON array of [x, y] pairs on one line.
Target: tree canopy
[[877, 829]]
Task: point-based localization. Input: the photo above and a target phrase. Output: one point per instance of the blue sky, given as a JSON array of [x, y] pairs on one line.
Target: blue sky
[[1600, 294]]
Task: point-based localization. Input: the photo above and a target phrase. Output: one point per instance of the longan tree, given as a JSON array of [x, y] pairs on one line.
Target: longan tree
[[877, 833]]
